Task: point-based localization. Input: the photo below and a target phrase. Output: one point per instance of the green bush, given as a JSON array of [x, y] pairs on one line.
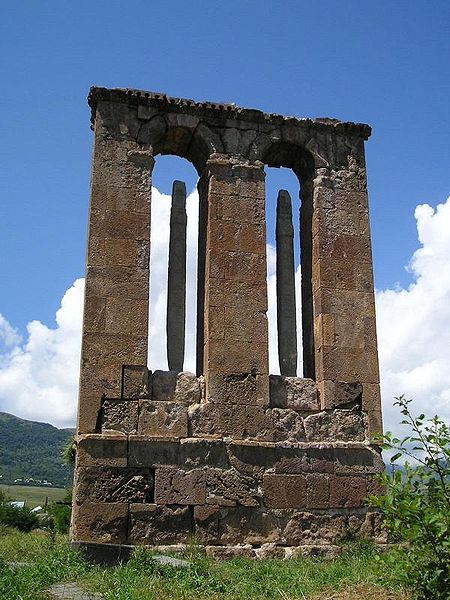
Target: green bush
[[416, 506], [21, 518], [60, 513]]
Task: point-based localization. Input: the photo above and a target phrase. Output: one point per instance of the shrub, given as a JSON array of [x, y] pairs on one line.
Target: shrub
[[69, 451], [416, 506], [60, 513], [21, 518]]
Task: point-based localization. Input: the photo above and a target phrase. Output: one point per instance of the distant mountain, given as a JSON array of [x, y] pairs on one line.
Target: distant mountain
[[31, 450]]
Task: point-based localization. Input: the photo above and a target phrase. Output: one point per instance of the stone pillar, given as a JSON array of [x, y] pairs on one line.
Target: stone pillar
[[202, 188], [115, 327], [342, 283], [286, 313], [176, 280], [235, 325]]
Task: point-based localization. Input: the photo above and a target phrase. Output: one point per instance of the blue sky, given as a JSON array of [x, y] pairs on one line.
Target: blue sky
[[383, 63]]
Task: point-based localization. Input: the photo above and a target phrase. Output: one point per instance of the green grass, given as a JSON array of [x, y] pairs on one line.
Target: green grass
[[33, 496], [142, 579]]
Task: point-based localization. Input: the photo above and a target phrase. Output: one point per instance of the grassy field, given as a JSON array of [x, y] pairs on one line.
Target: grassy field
[[356, 575], [33, 496]]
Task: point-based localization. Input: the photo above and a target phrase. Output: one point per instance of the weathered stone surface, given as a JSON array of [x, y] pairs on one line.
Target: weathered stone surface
[[163, 385], [339, 425], [285, 282], [188, 388], [244, 388], [176, 280], [181, 387], [291, 461], [228, 488], [284, 491], [153, 524], [236, 421], [252, 458], [206, 523], [305, 527], [265, 464], [195, 452], [114, 484], [101, 522], [228, 552], [293, 392], [353, 460], [270, 551], [175, 486], [244, 525], [162, 419], [144, 452], [320, 459], [344, 394], [70, 591], [347, 492], [98, 450], [171, 562], [136, 382], [318, 491], [287, 424], [120, 415]]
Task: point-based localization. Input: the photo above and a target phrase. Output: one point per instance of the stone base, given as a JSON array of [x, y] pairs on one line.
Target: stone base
[[232, 497], [103, 554], [113, 554]]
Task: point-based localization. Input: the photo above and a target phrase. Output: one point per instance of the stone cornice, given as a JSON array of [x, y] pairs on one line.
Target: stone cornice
[[218, 111]]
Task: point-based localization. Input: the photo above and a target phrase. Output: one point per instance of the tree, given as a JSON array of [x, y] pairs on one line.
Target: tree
[[416, 506]]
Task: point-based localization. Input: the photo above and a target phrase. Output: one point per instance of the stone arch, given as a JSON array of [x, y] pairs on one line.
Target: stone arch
[[186, 137], [292, 156]]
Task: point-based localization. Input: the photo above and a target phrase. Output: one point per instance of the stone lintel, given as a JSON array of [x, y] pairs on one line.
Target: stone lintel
[[217, 110]]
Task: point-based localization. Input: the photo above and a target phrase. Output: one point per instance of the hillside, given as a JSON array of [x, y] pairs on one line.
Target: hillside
[[32, 450]]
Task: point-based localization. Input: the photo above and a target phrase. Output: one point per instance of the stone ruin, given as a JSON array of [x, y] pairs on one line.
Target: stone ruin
[[241, 461]]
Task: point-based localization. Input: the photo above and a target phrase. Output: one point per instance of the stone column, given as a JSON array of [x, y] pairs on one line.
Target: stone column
[[176, 280], [235, 326], [115, 326], [202, 188], [342, 285], [286, 317]]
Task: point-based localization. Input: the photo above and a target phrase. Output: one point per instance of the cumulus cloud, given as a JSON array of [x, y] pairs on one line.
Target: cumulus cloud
[[413, 323], [39, 374], [157, 351], [274, 366], [39, 377], [157, 356]]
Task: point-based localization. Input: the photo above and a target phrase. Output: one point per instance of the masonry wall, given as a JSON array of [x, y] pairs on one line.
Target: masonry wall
[[242, 461]]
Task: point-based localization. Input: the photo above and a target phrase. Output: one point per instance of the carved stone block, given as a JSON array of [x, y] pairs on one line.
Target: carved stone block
[[101, 522], [162, 419], [152, 524], [294, 392], [120, 415], [114, 484], [175, 486], [136, 382], [285, 491]]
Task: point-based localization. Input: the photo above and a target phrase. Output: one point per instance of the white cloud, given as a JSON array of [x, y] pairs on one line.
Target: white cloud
[[8, 335], [39, 376], [274, 366], [157, 352], [414, 324]]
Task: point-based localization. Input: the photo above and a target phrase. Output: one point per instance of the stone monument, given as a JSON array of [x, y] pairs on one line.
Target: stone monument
[[239, 460]]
